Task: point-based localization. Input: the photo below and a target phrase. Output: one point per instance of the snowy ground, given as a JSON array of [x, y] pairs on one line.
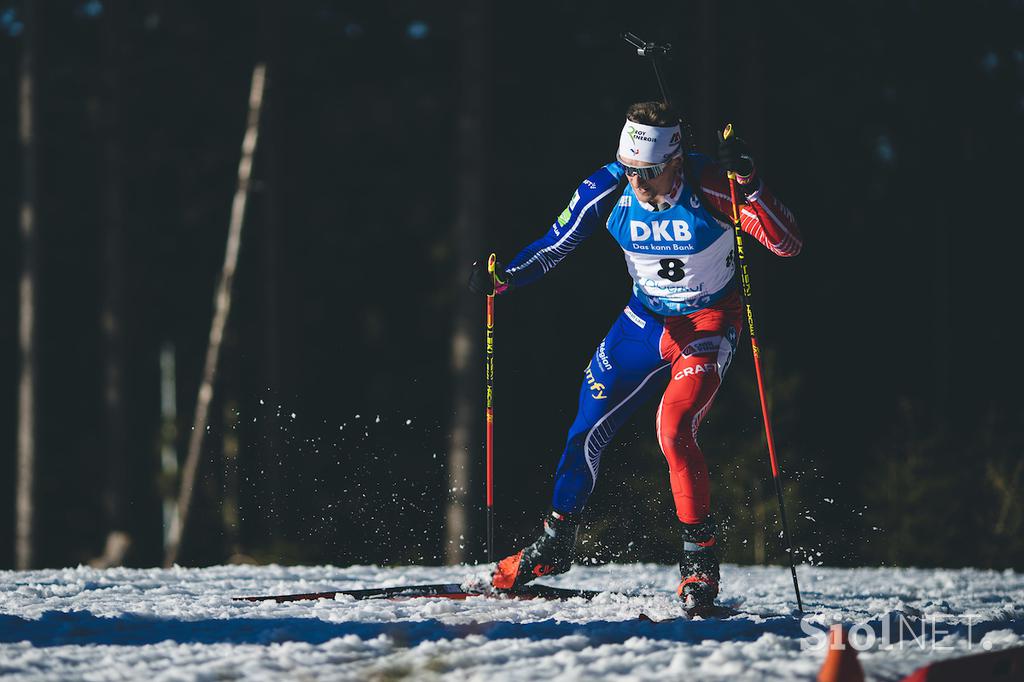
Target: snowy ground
[[181, 624]]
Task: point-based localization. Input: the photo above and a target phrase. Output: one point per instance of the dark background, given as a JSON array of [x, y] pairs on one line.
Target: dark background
[[891, 129]]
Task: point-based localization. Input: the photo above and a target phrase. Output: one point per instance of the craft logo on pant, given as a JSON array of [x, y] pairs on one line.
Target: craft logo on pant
[[595, 386], [706, 368]]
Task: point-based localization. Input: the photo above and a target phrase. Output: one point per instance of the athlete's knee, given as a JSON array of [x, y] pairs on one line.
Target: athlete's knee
[[675, 437], [678, 443], [687, 399]]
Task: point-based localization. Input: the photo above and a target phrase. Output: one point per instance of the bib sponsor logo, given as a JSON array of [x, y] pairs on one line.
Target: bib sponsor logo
[[602, 357], [706, 368], [652, 285], [636, 318], [590, 183], [660, 231], [574, 200], [595, 386]]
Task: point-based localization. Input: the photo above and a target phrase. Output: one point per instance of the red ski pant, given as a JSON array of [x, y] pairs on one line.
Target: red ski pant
[[700, 347]]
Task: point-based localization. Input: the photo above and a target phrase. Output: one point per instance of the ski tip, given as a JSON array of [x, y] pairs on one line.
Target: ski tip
[[712, 611], [698, 613], [644, 618]]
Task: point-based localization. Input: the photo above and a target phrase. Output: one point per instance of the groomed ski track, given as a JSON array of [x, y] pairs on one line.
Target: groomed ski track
[[183, 624]]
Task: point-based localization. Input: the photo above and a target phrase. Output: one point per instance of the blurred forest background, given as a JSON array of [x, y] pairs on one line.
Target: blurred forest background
[[399, 141]]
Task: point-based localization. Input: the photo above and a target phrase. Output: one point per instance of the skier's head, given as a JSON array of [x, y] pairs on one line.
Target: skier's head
[[650, 149]]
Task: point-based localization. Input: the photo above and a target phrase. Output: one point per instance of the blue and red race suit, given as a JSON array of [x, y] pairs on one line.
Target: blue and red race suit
[[680, 329]]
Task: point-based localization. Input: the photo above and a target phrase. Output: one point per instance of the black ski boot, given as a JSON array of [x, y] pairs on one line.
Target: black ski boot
[[549, 555], [698, 568]]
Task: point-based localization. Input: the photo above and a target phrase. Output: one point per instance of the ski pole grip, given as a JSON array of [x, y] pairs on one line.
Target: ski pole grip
[[728, 132], [497, 283]]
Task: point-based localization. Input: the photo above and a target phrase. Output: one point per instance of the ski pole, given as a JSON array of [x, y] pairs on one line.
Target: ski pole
[[489, 361], [746, 291]]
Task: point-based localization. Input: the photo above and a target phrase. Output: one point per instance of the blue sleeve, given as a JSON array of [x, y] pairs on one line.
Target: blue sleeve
[[587, 208]]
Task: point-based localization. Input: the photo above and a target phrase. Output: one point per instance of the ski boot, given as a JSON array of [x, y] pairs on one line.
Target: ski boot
[[549, 555], [698, 568]]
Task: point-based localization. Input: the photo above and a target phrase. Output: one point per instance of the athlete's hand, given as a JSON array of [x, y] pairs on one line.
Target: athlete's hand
[[480, 281], [734, 156]]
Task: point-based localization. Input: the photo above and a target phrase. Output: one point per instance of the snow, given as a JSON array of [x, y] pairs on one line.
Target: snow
[[181, 624]]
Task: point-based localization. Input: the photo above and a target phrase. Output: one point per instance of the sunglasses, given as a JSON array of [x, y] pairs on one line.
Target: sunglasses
[[645, 173]]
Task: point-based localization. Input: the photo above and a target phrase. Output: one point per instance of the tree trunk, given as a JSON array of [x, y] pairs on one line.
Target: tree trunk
[[273, 215], [464, 451], [274, 17], [112, 307], [222, 308], [230, 511], [27, 285], [168, 440]]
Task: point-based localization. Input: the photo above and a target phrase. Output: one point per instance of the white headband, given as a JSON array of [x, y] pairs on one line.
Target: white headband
[[649, 144]]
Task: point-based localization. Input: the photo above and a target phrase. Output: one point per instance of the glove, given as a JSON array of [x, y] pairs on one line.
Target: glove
[[734, 156], [480, 278]]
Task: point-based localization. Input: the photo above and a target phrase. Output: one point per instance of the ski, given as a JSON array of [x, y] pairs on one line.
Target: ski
[[439, 590], [714, 611], [456, 591], [546, 592], [448, 590]]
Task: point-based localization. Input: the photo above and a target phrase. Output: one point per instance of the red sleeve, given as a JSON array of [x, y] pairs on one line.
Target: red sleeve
[[762, 216]]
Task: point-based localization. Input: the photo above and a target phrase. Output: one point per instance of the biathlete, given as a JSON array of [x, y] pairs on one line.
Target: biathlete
[[667, 208]]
